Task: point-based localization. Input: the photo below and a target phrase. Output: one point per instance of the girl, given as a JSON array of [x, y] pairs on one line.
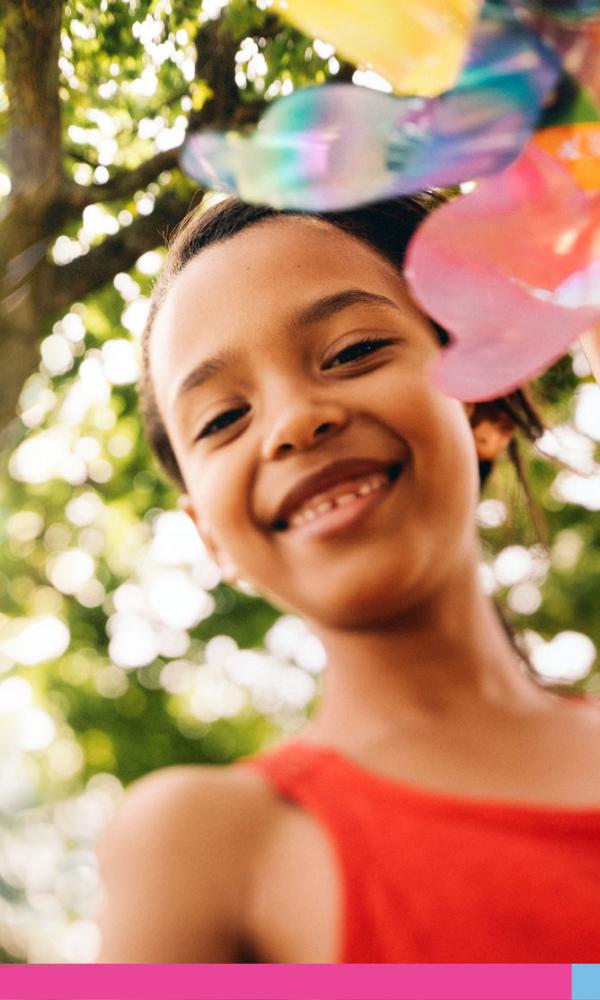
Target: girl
[[441, 806]]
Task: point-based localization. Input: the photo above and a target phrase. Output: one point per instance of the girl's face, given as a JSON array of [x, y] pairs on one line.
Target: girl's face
[[261, 380]]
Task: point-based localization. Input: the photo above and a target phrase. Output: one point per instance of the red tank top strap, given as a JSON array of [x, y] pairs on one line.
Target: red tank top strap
[[295, 770], [340, 801]]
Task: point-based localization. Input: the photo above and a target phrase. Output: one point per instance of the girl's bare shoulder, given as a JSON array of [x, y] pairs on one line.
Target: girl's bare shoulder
[[570, 740], [233, 795], [176, 862], [583, 708]]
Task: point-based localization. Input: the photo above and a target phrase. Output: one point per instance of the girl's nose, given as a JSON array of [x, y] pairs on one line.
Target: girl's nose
[[302, 426]]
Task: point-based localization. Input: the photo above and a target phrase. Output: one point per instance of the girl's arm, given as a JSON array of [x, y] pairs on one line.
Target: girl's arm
[[173, 866], [591, 345]]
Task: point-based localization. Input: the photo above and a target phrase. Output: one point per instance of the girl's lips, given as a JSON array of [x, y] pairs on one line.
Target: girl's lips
[[340, 519], [319, 484]]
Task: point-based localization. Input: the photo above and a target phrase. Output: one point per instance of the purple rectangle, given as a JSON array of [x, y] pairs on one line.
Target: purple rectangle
[[285, 982]]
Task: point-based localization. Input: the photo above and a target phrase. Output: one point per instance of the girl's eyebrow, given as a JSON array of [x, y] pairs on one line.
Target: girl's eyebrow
[[328, 305], [206, 370], [315, 312]]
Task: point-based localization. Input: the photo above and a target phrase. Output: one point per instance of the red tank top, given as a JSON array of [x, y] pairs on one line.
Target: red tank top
[[435, 877]]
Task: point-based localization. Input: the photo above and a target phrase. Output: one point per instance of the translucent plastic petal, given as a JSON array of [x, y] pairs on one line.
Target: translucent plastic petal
[[338, 146], [577, 147], [512, 271], [417, 45]]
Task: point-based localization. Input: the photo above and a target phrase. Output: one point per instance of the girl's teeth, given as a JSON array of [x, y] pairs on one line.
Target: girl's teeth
[[374, 483], [326, 505]]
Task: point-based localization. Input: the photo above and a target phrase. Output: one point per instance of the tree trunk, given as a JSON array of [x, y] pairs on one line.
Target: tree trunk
[[33, 154]]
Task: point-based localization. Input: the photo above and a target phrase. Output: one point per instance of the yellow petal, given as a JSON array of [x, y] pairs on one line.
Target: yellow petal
[[418, 46]]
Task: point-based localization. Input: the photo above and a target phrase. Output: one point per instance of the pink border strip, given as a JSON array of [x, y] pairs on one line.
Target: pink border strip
[[285, 982]]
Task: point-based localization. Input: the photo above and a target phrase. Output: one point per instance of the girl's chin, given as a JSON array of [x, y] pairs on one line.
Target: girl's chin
[[357, 608]]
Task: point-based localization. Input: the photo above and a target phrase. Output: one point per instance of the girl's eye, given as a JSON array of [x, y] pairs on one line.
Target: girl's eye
[[222, 421], [367, 345]]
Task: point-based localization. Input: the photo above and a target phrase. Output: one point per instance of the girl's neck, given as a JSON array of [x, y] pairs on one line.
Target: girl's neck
[[446, 662]]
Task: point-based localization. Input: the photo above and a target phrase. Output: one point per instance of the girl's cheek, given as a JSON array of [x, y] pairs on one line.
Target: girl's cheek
[[415, 410], [225, 497]]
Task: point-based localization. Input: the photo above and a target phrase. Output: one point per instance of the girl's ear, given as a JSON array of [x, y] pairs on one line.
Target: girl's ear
[[492, 427], [224, 562]]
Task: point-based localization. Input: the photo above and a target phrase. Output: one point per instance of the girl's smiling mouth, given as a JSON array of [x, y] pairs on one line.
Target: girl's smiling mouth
[[341, 506]]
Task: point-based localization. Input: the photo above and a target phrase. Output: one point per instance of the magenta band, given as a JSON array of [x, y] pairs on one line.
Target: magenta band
[[285, 982]]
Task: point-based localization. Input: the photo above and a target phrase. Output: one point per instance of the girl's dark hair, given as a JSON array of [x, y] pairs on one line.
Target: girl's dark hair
[[387, 226]]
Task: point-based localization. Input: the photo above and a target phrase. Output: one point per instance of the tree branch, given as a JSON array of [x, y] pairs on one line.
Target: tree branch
[[116, 253], [215, 63], [122, 183], [216, 50]]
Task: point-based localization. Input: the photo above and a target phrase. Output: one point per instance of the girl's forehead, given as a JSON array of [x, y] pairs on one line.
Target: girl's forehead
[[272, 265]]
